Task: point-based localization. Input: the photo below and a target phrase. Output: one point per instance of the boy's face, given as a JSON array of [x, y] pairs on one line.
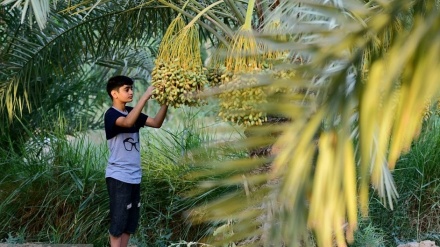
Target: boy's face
[[123, 94]]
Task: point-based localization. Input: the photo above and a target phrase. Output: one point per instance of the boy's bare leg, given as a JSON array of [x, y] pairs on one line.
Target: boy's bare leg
[[121, 241], [124, 239], [115, 241]]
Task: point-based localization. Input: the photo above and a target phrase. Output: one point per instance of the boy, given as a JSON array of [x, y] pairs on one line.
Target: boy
[[123, 172]]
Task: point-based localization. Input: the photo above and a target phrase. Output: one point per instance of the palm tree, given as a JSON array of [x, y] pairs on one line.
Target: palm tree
[[65, 62], [367, 69]]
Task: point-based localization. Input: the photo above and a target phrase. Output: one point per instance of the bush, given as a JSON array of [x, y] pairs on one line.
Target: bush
[[53, 192]]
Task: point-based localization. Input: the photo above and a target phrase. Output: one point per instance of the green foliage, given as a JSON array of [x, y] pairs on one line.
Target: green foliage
[[370, 64], [368, 235], [64, 67], [53, 191], [18, 239]]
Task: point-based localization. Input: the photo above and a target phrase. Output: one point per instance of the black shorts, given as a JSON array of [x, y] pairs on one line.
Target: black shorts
[[124, 206]]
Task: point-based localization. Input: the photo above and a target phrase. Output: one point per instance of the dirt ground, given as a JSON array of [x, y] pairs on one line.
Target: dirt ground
[[425, 243], [45, 245]]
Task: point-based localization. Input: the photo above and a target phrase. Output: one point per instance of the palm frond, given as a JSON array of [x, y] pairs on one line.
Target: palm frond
[[32, 58], [85, 32], [369, 75]]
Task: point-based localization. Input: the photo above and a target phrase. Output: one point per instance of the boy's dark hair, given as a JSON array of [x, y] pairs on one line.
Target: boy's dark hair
[[116, 82]]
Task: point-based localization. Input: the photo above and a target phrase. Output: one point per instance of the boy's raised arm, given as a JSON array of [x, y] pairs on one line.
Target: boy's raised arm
[[157, 121], [130, 119]]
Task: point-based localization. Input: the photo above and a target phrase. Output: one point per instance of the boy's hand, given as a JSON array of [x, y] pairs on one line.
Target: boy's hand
[[148, 93]]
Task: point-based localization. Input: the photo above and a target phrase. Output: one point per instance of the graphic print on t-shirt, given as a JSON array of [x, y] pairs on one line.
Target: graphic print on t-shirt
[[130, 144]]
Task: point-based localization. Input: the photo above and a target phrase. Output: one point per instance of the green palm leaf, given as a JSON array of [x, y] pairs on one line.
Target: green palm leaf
[[32, 59]]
